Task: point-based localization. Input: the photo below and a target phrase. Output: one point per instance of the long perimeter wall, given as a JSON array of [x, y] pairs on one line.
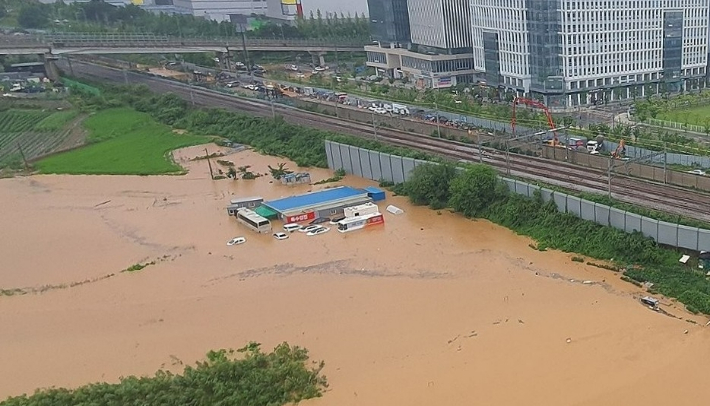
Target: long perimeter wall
[[380, 166]]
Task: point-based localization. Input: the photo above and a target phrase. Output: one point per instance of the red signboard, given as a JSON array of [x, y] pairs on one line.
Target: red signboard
[[375, 220], [301, 217]]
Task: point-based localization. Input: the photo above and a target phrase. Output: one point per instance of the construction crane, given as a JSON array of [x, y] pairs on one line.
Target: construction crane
[[620, 150], [535, 103]]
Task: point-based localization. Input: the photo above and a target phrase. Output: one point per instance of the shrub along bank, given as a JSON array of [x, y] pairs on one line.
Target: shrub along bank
[[477, 192], [256, 379]]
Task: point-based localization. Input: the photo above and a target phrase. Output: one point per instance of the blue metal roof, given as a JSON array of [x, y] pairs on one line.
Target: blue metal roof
[[314, 198], [372, 189]]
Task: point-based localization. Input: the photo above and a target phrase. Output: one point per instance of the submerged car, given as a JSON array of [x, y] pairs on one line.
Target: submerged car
[[319, 230], [236, 241], [310, 228], [320, 220], [336, 220], [291, 227], [280, 236]]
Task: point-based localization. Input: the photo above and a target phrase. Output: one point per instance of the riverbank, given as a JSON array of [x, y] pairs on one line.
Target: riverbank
[[431, 308]]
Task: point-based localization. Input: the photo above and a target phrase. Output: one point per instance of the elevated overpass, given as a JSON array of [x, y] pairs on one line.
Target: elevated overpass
[[56, 44]]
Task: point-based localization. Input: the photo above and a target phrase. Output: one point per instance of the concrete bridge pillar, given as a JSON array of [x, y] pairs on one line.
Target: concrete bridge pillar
[[318, 58], [50, 66]]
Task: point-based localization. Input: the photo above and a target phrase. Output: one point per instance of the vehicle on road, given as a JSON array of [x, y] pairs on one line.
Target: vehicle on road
[[320, 220], [291, 227], [380, 110], [236, 241], [319, 230], [309, 229], [697, 172], [280, 236]]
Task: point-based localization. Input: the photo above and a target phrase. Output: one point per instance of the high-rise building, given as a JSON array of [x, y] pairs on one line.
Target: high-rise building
[[441, 24], [441, 32], [389, 22], [572, 52]]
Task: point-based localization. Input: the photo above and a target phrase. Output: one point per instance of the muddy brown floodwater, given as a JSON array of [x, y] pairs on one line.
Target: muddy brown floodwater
[[429, 309]]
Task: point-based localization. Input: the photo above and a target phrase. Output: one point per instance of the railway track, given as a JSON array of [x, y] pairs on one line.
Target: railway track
[[645, 193]]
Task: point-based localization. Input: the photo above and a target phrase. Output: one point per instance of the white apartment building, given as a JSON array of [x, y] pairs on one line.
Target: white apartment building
[[572, 52], [441, 24]]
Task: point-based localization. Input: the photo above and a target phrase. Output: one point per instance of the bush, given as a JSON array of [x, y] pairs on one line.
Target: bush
[[429, 185], [255, 379]]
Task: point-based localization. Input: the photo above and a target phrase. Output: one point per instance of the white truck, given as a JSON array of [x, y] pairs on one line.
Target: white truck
[[400, 109]]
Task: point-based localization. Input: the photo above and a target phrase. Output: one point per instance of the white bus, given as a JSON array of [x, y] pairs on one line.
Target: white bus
[[358, 222], [253, 221]]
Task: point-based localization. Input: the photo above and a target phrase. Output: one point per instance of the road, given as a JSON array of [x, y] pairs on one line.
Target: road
[[667, 198]]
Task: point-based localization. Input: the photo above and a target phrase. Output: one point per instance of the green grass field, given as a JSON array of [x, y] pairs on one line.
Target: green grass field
[[122, 142], [695, 115]]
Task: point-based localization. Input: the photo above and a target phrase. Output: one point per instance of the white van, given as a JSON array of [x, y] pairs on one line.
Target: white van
[[291, 227]]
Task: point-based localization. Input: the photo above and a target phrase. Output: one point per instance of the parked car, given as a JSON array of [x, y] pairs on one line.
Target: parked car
[[320, 220], [233, 84], [310, 228], [697, 172], [319, 230], [280, 236], [291, 227], [336, 220], [236, 241]]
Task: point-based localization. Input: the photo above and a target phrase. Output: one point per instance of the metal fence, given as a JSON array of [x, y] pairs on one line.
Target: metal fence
[[380, 166], [671, 158], [676, 126]]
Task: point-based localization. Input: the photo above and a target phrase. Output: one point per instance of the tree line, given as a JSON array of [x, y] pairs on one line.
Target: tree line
[[98, 16]]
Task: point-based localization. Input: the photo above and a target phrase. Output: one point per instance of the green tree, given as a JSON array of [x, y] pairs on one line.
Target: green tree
[[33, 15], [429, 185], [473, 191]]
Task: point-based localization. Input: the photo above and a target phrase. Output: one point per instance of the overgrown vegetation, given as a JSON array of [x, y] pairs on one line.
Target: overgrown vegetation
[[337, 177], [477, 192], [245, 377], [303, 145], [124, 142]]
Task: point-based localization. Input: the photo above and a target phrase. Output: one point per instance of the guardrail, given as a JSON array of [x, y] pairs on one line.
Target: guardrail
[[123, 40]]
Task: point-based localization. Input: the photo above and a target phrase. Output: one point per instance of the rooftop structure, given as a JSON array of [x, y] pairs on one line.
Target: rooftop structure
[[309, 200]]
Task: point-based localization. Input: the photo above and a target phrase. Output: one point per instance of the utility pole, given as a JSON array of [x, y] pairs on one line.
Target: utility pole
[[374, 126], [507, 157], [125, 76], [665, 162], [438, 126], [480, 150], [192, 94], [207, 155], [273, 112], [22, 154], [611, 165], [71, 69]]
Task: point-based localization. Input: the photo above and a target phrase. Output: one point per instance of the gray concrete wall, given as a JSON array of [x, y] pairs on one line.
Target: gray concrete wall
[[378, 166]]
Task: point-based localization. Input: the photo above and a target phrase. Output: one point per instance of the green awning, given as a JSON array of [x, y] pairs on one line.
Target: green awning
[[266, 212]]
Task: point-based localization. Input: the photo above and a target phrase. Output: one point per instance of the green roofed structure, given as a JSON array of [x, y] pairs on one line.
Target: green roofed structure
[[266, 212]]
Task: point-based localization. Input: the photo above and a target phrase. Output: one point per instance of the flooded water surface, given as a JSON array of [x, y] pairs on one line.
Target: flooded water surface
[[427, 309]]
